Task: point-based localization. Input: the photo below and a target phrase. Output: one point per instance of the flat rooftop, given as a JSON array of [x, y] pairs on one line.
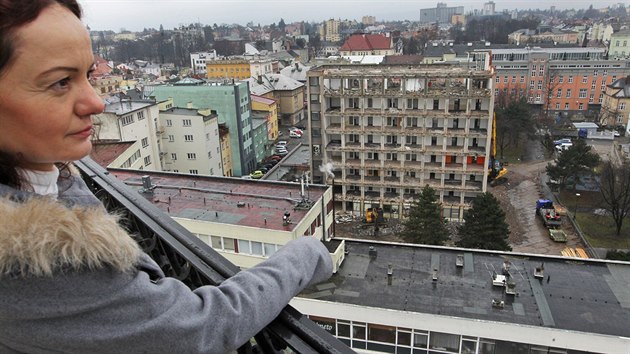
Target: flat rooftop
[[579, 295], [235, 201]]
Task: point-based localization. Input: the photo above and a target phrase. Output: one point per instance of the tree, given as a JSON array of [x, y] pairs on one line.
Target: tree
[[281, 25], [615, 189], [484, 225], [573, 162], [514, 121], [425, 223]]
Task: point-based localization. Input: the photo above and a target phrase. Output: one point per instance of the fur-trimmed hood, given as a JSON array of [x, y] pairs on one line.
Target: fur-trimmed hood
[[40, 236]]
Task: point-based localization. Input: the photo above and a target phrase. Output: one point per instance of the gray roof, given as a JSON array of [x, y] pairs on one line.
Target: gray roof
[[296, 73], [272, 82], [575, 291]]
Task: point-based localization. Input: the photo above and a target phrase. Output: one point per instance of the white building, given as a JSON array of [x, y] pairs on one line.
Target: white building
[[190, 141], [126, 120], [198, 61]]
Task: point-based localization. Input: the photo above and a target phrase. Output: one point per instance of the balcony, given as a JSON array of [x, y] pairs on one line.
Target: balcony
[[183, 256]]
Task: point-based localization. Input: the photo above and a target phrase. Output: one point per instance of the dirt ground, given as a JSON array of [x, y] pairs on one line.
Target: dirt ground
[[517, 197]]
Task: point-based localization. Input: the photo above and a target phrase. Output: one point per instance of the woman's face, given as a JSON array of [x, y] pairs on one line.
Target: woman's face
[[46, 100]]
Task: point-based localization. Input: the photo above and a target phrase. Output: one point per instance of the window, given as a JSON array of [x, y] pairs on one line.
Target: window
[[140, 115], [173, 156], [513, 78], [559, 94], [169, 123], [581, 106], [622, 106], [561, 79], [582, 93], [584, 79], [531, 84], [126, 120], [145, 142], [557, 106], [192, 156], [171, 138], [505, 79], [188, 138], [539, 85], [193, 172], [522, 79], [186, 122], [570, 79], [497, 80], [209, 154], [566, 106], [568, 93], [147, 160]]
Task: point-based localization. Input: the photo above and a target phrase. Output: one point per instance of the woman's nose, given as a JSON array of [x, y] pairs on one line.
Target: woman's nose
[[89, 102]]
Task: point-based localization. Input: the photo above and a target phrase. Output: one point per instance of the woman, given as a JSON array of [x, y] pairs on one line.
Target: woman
[[72, 280]]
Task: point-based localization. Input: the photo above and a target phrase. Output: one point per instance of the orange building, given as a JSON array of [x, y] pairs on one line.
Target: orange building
[[558, 80]]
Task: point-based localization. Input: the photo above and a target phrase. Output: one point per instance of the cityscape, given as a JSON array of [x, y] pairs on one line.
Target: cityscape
[[468, 167]]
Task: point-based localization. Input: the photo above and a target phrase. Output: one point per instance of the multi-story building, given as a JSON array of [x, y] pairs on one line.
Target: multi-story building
[[269, 106], [391, 129], [228, 69], [190, 141], [198, 61], [232, 104], [563, 81], [488, 8], [331, 30], [620, 45], [368, 44], [130, 120], [287, 92], [440, 14], [226, 150], [238, 68], [616, 106], [368, 20]]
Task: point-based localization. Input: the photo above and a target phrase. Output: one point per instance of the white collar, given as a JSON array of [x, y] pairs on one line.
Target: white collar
[[43, 182]]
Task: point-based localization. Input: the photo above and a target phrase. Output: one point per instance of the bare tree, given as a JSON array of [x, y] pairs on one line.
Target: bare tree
[[615, 189]]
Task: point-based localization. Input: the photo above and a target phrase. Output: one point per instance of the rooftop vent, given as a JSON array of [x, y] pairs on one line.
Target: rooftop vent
[[372, 252]]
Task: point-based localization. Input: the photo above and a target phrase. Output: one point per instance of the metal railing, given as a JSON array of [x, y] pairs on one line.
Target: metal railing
[[183, 256]]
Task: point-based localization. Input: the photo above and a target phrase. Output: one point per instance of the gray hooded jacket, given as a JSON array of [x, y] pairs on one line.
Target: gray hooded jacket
[[73, 281]]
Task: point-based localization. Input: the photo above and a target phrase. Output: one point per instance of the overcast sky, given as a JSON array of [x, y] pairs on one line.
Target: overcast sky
[[135, 15]]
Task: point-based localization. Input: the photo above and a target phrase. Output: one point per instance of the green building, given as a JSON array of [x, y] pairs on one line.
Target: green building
[[231, 101]]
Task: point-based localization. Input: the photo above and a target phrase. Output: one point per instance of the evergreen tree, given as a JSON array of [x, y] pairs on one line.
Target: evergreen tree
[[484, 225], [572, 163], [425, 223]]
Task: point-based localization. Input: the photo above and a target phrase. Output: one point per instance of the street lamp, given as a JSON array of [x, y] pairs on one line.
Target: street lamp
[[577, 195]]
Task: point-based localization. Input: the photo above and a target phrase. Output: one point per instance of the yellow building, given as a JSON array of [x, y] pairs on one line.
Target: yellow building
[[238, 69], [264, 104], [615, 109], [107, 85]]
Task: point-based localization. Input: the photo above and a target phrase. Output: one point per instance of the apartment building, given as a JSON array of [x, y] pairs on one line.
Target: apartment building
[[288, 93], [238, 69], [226, 149], [560, 81], [440, 14], [127, 120], [390, 129], [616, 106], [190, 141], [232, 105], [270, 107], [620, 45], [331, 30]]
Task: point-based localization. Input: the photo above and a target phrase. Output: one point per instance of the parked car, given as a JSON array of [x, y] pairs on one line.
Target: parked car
[[562, 141], [256, 174], [281, 142], [295, 134], [282, 152], [295, 129], [563, 146]]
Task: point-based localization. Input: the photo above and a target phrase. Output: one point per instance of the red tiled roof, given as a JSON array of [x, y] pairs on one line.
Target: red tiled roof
[[366, 42]]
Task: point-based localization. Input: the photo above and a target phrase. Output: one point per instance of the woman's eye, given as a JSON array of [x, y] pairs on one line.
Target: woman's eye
[[61, 84]]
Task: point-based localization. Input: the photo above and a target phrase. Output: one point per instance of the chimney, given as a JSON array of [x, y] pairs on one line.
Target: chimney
[[189, 105], [260, 79], [372, 252], [297, 66], [390, 273]]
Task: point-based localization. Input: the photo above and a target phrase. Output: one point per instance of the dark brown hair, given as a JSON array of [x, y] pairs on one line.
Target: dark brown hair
[[13, 15]]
